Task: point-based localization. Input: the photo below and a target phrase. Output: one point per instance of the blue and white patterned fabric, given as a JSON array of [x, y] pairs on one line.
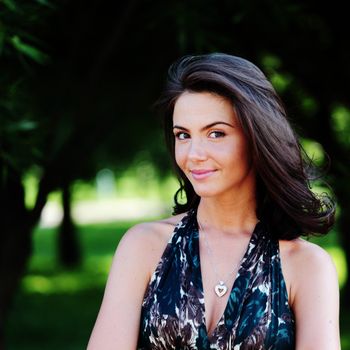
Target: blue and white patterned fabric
[[257, 315]]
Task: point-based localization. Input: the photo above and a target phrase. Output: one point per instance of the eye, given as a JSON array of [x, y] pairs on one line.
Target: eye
[[216, 134], [181, 135]]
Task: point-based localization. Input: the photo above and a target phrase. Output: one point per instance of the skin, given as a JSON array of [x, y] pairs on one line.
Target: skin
[[227, 215]]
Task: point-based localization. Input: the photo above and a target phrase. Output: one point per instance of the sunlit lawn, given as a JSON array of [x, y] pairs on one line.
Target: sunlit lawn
[[56, 308]]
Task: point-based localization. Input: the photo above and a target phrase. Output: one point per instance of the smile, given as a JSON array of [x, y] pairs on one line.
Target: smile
[[201, 174]]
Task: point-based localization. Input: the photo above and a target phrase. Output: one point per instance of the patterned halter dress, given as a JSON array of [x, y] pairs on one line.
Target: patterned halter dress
[[257, 314]]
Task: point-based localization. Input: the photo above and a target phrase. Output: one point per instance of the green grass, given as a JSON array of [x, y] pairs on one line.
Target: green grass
[[56, 308]]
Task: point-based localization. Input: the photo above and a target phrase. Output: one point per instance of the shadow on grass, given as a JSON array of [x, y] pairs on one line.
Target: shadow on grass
[[53, 321]]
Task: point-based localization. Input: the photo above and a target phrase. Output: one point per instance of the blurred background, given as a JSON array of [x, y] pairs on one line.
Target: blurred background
[[82, 156]]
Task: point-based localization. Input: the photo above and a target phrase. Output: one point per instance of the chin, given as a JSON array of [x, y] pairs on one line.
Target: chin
[[206, 193]]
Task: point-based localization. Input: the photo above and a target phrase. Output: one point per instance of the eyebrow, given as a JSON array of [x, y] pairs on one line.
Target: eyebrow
[[205, 127]]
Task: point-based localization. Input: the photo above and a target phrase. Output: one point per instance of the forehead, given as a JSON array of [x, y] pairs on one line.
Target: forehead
[[202, 108]]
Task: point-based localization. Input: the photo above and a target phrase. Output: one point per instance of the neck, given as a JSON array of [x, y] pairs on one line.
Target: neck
[[228, 216]]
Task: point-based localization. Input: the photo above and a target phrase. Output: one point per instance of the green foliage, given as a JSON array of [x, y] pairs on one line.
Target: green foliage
[[29, 50], [272, 66], [341, 124], [21, 130], [11, 5], [314, 150]]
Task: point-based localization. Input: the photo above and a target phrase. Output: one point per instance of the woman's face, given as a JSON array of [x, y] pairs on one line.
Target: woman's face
[[210, 146]]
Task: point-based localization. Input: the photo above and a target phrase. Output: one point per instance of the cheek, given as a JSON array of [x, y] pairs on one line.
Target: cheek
[[236, 153], [243, 155], [179, 156]]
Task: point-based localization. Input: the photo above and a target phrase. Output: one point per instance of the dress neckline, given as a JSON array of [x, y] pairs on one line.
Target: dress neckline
[[237, 292]]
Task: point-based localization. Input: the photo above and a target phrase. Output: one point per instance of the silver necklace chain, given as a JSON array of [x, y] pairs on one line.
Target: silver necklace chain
[[220, 288]]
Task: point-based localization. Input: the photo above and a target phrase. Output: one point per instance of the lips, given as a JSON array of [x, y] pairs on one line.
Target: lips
[[199, 174]]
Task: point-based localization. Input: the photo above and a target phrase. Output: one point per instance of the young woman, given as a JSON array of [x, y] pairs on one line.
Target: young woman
[[229, 270]]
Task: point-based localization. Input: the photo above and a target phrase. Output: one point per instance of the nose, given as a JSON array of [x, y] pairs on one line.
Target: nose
[[197, 151]]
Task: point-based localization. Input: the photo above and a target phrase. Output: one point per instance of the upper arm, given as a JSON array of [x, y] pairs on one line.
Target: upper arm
[[316, 302], [117, 324]]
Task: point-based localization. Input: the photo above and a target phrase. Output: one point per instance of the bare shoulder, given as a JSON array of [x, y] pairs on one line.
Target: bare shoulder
[[151, 232], [315, 294], [300, 252], [146, 241], [137, 254], [304, 263]]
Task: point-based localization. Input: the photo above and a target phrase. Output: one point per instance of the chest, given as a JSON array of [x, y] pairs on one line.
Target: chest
[[219, 265], [181, 308]]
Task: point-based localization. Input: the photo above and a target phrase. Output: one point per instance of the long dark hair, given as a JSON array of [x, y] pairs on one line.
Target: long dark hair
[[285, 202]]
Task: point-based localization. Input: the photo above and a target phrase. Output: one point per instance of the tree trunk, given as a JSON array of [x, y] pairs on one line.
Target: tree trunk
[[68, 246], [15, 241], [17, 224]]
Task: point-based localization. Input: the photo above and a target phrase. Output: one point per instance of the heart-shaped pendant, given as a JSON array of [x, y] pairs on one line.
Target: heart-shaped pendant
[[220, 289]]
